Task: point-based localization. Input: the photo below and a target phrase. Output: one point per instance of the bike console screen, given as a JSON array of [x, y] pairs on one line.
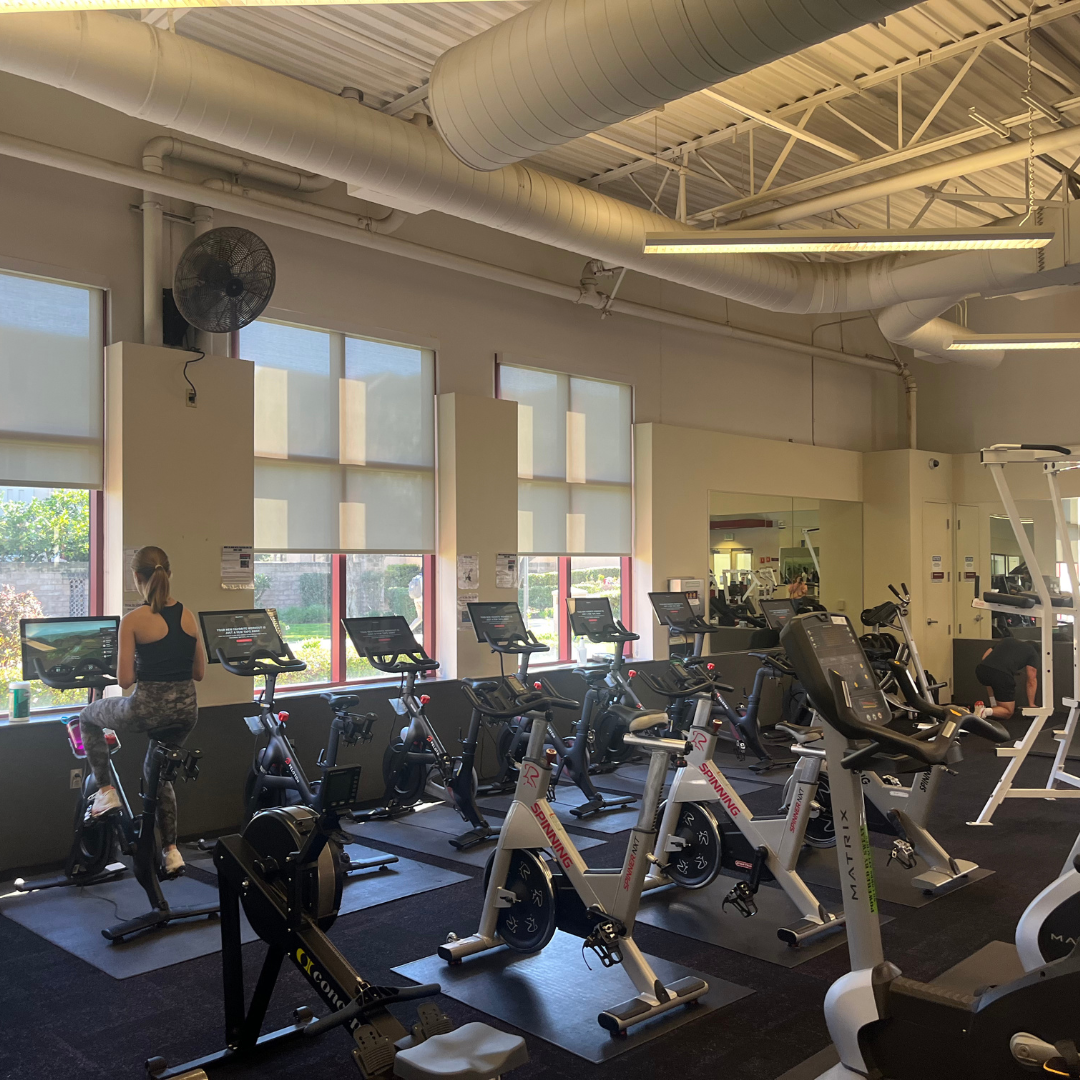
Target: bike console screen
[[817, 644], [672, 608], [777, 612], [590, 615], [382, 635], [64, 648], [238, 634], [497, 622]]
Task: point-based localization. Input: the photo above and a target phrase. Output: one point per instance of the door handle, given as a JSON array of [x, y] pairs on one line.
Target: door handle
[[931, 622]]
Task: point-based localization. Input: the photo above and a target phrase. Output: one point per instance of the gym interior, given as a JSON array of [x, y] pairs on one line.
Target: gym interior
[[604, 478]]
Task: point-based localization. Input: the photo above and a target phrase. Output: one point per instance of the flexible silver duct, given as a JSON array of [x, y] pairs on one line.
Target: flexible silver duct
[[563, 68], [185, 86]]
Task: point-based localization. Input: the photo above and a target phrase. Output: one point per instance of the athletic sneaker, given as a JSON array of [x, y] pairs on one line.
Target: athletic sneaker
[[105, 799], [174, 862]]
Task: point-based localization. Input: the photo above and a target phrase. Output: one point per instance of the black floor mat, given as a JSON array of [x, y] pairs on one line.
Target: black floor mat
[[73, 918], [553, 995]]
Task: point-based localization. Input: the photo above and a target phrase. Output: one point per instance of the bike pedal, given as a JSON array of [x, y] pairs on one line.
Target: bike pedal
[[430, 1020], [374, 1053], [904, 854], [741, 898]]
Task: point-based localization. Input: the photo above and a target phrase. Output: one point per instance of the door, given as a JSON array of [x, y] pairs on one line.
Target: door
[[967, 568], [934, 602]]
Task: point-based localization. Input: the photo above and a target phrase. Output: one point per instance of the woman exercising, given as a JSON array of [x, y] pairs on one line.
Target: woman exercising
[[160, 654]]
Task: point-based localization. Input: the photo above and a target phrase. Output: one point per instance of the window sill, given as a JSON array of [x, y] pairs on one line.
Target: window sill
[[41, 716]]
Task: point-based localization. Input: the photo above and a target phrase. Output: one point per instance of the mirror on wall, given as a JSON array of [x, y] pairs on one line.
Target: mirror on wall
[[762, 546]]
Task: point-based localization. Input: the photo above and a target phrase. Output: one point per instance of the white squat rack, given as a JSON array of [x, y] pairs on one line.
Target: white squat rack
[[1054, 460]]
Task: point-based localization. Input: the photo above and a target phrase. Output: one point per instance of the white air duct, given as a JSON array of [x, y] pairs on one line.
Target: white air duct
[[915, 324], [563, 68], [183, 85]]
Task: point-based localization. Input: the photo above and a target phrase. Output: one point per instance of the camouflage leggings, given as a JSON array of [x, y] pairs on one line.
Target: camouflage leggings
[[166, 711]]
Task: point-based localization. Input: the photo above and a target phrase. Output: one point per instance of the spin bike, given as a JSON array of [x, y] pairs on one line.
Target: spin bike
[[892, 615], [100, 841], [882, 1024], [694, 842], [416, 764], [276, 777], [285, 869], [537, 882], [501, 626], [673, 610]]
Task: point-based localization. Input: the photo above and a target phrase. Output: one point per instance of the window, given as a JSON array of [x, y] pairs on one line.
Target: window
[[575, 507], [575, 462], [51, 412], [344, 481]]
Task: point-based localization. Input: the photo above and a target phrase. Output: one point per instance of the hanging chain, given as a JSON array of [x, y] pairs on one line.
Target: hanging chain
[[1030, 120]]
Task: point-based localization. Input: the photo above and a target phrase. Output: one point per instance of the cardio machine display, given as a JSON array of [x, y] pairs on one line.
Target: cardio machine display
[[777, 611], [236, 635], [497, 621], [60, 649], [387, 635]]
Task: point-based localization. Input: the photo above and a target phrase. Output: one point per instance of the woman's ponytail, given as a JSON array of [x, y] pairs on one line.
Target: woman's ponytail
[[152, 571]]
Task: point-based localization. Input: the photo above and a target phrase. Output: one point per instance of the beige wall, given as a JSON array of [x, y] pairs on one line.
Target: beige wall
[[179, 478], [841, 558], [676, 470], [477, 516], [86, 230]]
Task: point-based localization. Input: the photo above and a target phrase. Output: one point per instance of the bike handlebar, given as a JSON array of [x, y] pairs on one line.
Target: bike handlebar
[[932, 749], [392, 663], [687, 689], [516, 704], [261, 662], [88, 674]]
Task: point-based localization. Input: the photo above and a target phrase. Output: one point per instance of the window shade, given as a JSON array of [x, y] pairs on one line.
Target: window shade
[[344, 442], [574, 462], [51, 372]]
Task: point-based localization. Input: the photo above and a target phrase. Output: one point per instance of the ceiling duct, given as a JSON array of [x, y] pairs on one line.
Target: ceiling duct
[[564, 68], [185, 86]]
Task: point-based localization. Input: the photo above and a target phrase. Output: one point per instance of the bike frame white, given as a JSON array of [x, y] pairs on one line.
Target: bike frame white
[[531, 824], [701, 780]]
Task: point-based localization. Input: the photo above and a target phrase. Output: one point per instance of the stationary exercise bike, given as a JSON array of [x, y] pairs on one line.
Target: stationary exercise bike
[[285, 870], [276, 777], [705, 827], [673, 610], [882, 646], [417, 764], [603, 721], [882, 1024], [537, 882], [82, 656]]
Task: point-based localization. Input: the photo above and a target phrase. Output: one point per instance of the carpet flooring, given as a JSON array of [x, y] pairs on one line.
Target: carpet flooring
[[61, 1016]]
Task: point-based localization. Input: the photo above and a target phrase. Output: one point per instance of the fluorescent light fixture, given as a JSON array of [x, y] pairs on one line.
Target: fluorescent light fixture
[[989, 122], [995, 342], [13, 6], [736, 242]]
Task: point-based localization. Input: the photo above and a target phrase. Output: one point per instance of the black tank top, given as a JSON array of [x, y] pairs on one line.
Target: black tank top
[[172, 657]]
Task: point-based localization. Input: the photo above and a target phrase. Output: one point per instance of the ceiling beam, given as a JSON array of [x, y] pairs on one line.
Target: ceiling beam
[[407, 101], [770, 121], [947, 93], [1045, 17]]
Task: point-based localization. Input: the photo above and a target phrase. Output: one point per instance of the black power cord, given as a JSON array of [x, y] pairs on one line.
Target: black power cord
[[193, 394]]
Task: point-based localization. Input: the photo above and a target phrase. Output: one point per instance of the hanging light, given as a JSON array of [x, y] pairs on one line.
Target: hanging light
[[736, 242], [997, 342]]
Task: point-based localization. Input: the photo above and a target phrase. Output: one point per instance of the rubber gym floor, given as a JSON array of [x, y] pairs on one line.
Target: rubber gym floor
[[62, 1017]]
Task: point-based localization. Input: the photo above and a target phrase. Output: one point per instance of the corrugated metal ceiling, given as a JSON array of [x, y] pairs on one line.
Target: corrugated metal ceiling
[[388, 50]]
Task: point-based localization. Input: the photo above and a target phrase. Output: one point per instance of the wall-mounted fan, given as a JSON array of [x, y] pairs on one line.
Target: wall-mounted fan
[[224, 280]]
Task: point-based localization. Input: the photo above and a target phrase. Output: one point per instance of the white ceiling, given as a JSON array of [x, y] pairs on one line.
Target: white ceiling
[[387, 50]]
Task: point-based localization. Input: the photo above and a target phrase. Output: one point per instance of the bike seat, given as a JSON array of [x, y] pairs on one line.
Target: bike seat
[[470, 1052], [341, 701], [642, 721], [800, 734], [592, 675]]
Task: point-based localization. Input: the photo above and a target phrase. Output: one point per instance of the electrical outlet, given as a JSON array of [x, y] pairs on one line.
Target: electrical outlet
[[192, 402], [75, 779]]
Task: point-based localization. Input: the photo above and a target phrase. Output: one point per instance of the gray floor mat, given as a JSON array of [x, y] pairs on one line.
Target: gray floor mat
[[817, 867], [373, 887], [429, 831], [554, 996], [73, 919], [699, 914]]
